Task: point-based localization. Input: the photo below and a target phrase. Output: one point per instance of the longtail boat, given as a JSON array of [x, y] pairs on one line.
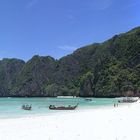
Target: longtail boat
[[26, 107], [129, 100], [53, 107], [88, 99]]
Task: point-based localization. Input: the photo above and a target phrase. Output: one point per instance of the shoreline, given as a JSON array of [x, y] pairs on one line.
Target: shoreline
[[113, 123], [41, 107], [63, 112]]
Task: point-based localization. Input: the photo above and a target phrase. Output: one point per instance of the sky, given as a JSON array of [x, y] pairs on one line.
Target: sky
[[58, 27]]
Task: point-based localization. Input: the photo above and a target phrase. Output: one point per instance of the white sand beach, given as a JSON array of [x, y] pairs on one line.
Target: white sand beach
[[120, 123]]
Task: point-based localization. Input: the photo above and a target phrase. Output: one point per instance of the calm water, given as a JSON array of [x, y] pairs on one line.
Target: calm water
[[11, 107]]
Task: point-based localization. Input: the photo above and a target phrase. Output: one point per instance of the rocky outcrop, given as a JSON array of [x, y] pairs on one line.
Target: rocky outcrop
[[9, 70]]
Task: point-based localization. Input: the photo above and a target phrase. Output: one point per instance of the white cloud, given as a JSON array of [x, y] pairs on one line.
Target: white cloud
[[106, 4], [31, 3], [131, 5], [67, 48], [71, 18], [102, 4]]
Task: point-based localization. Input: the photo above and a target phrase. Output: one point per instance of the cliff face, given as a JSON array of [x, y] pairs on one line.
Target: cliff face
[[34, 75], [108, 69], [9, 70]]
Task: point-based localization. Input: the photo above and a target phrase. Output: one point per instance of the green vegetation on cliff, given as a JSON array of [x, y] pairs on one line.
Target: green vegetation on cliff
[[107, 69]]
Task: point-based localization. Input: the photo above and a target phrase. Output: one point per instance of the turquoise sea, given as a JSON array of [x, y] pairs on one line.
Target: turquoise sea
[[11, 107]]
